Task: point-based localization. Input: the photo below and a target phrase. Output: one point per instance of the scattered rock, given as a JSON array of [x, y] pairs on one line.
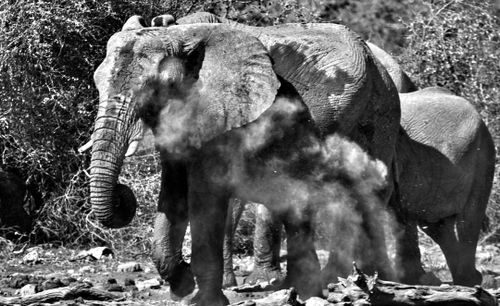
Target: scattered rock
[[316, 301], [94, 254], [130, 267], [129, 282], [68, 280], [18, 281], [87, 269], [112, 285], [148, 284], [33, 257], [51, 284], [29, 289]]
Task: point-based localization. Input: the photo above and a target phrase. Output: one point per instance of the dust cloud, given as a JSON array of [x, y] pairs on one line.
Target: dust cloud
[[281, 162]]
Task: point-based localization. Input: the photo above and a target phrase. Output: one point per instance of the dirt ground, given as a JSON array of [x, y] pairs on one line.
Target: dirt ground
[[135, 281]]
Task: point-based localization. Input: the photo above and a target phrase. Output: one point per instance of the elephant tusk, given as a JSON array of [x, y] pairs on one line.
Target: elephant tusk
[[86, 146], [132, 148]]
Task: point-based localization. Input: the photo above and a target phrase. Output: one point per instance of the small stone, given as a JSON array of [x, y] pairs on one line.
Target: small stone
[[316, 301], [129, 282], [130, 267], [115, 288], [32, 257], [94, 254], [51, 284], [29, 289], [18, 281], [86, 269], [332, 287], [68, 280], [148, 284], [101, 252], [112, 281]]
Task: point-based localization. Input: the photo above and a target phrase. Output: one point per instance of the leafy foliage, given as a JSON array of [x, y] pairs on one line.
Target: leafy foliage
[[48, 53]]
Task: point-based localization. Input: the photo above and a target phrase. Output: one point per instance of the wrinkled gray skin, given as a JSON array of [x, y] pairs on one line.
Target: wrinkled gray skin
[[445, 165], [223, 82], [17, 204]]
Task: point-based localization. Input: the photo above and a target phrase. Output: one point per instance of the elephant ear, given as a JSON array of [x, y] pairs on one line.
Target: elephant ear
[[327, 65], [228, 82], [236, 81]]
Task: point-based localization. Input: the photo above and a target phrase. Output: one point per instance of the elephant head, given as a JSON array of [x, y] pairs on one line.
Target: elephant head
[[194, 76]]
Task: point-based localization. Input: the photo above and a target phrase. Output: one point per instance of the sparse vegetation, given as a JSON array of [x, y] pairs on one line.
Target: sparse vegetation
[[49, 50]]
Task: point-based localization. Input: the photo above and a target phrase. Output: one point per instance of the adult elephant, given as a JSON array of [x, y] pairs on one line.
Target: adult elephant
[[267, 238], [445, 164], [234, 111]]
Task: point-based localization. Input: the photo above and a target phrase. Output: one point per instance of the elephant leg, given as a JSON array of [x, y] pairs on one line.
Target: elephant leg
[[468, 229], [373, 255], [408, 261], [207, 214], [469, 226], [169, 230], [460, 255], [303, 269], [234, 211], [266, 245]]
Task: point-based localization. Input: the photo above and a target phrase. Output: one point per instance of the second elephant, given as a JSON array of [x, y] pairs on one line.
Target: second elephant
[[445, 164]]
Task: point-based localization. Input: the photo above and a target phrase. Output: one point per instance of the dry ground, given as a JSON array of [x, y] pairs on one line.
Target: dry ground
[[49, 266]]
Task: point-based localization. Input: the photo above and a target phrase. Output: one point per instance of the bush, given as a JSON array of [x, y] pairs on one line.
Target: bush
[[48, 53]]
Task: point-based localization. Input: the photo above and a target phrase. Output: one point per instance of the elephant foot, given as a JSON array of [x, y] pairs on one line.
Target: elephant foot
[[182, 282], [265, 274], [306, 287], [209, 298], [468, 279], [429, 279], [229, 280]]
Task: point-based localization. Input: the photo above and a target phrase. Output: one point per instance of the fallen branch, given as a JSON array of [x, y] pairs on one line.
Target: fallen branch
[[63, 293], [286, 297], [359, 286]]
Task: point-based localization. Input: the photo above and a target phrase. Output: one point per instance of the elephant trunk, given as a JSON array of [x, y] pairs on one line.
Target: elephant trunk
[[113, 204]]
